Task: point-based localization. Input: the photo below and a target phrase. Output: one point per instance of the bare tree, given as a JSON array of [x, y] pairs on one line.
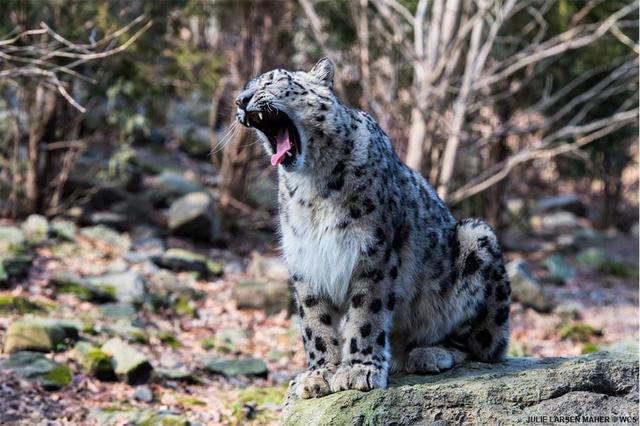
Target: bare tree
[[464, 66], [35, 62]]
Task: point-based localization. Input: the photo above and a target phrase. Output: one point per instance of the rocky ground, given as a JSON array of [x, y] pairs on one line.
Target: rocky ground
[[137, 305]]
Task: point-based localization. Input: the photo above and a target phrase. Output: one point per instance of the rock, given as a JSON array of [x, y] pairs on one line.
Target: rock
[[524, 288], [269, 268], [109, 219], [596, 259], [237, 367], [263, 193], [510, 392], [66, 282], [118, 310], [107, 235], [128, 362], [126, 287], [176, 259], [273, 297], [559, 270], [19, 305], [143, 393], [14, 265], [34, 366], [63, 229], [514, 238], [579, 332], [40, 334], [195, 215], [194, 140], [178, 374], [12, 239], [567, 202], [171, 185], [94, 361], [124, 329], [229, 340], [553, 223], [123, 287], [130, 416], [36, 229]]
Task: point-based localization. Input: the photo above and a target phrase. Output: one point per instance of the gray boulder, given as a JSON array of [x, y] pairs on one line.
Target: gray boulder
[[40, 334], [195, 215], [272, 297], [512, 392], [567, 202], [171, 185], [36, 229], [176, 259], [37, 367], [12, 239], [525, 288], [123, 287], [128, 362], [237, 367]]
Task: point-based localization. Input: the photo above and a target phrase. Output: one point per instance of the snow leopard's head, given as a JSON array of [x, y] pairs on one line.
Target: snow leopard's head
[[288, 109]]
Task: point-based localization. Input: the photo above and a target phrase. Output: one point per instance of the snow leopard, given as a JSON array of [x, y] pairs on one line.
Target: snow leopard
[[385, 279]]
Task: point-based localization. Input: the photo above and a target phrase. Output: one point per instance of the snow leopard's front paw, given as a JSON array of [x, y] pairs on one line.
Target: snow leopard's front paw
[[359, 377], [313, 383]]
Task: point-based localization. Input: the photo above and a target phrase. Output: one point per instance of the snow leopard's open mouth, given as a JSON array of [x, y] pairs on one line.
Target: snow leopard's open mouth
[[281, 132]]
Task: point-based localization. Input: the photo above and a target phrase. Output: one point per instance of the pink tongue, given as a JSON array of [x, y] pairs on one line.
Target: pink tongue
[[283, 146]]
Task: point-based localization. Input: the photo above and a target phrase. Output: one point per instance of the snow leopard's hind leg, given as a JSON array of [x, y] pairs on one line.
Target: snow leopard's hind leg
[[480, 285], [485, 333]]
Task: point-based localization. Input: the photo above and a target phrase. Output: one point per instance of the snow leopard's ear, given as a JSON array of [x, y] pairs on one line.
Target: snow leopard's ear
[[323, 71]]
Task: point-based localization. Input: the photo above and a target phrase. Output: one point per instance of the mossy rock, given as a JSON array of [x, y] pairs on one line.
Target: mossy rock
[[40, 334], [128, 362], [12, 239], [36, 229], [10, 304], [264, 403], [63, 229], [176, 259], [598, 260], [237, 367], [196, 216], [131, 416], [510, 392], [579, 332], [68, 283], [272, 297], [177, 374], [106, 235], [35, 366], [14, 265], [94, 361]]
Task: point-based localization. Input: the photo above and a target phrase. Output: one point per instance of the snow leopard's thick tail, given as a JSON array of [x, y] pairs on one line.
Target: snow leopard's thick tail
[[485, 333]]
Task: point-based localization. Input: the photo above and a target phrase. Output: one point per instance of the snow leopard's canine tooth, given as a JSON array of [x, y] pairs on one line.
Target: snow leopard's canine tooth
[[385, 279]]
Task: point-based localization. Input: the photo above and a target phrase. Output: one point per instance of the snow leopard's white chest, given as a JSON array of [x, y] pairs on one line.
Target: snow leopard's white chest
[[318, 250]]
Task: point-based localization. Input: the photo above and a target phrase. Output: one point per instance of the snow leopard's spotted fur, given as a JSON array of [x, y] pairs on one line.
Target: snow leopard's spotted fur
[[385, 278]]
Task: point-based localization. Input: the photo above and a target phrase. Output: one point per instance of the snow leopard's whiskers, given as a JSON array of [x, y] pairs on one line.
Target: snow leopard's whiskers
[[226, 138]]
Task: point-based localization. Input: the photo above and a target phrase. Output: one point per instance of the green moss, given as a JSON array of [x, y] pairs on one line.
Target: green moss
[[579, 332], [190, 401], [57, 378], [259, 399], [19, 305], [588, 348], [208, 343], [182, 305], [169, 339]]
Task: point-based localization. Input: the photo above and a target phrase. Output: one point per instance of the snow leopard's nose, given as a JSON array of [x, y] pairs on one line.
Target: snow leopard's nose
[[243, 98]]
